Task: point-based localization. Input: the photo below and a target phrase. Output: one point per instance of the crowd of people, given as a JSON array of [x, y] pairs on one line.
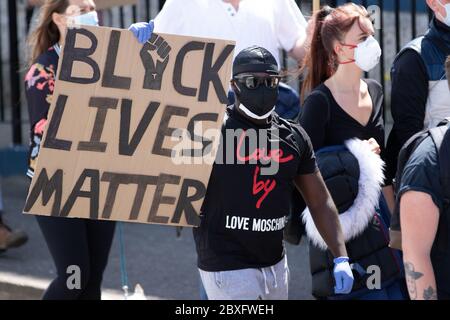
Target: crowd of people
[[363, 201]]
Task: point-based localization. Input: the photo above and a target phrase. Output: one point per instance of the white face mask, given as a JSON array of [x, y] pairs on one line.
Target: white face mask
[[368, 54], [88, 19], [255, 116], [445, 19]]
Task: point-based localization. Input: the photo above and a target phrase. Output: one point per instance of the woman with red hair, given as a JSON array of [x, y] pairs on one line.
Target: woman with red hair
[[78, 246], [342, 109]]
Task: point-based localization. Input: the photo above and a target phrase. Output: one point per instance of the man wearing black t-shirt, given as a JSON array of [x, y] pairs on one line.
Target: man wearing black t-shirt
[[240, 239]]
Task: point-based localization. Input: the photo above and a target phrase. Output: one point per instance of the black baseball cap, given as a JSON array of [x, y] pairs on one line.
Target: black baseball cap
[[255, 59]]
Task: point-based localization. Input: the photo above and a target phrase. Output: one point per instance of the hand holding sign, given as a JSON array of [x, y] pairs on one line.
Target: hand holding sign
[[142, 30], [155, 57], [106, 153]]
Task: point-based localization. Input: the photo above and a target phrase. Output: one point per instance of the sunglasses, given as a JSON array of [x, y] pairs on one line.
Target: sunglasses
[[253, 82]]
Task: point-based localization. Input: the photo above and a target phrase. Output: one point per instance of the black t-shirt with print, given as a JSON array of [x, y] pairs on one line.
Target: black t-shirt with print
[[422, 173], [245, 208]]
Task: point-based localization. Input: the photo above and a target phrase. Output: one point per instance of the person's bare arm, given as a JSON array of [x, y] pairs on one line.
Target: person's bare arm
[[302, 44], [419, 218], [324, 212], [32, 3], [299, 50]]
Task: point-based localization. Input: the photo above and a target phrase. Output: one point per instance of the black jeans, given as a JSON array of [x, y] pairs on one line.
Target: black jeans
[[79, 242]]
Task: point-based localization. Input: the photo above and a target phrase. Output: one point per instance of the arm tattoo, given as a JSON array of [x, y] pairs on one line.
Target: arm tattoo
[[411, 277], [430, 294]]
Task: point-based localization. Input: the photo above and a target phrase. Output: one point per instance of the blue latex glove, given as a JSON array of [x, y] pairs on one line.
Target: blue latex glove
[[343, 276], [142, 30]]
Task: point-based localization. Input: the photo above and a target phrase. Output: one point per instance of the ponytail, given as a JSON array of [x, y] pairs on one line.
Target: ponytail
[[330, 25], [317, 63]]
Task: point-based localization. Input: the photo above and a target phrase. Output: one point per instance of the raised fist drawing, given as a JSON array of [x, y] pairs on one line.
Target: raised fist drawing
[[155, 56]]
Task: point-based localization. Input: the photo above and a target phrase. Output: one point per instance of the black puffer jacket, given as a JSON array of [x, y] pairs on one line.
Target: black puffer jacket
[[354, 180]]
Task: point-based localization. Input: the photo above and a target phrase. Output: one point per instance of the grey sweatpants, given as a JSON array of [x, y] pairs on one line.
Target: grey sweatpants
[[269, 283]]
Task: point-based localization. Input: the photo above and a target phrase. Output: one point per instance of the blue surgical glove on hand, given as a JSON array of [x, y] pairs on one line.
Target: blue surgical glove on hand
[[343, 276], [142, 30]]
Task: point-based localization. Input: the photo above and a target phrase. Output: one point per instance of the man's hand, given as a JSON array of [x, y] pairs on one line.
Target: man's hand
[[343, 276], [142, 30], [374, 146]]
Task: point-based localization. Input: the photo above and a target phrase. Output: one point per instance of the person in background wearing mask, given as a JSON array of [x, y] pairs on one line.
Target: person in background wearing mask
[[420, 96], [239, 242], [339, 107], [271, 24], [79, 242]]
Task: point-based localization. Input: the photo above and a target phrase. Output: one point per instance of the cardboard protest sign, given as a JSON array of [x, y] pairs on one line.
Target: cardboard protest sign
[[106, 4], [107, 151]]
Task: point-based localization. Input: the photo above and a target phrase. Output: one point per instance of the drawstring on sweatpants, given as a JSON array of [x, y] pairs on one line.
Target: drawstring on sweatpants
[[275, 284], [266, 287]]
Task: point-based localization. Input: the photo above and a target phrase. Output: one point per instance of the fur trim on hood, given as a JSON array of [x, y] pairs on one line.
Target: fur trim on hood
[[356, 219]]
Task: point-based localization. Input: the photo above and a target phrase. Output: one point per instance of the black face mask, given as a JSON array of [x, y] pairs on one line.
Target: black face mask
[[259, 101]]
